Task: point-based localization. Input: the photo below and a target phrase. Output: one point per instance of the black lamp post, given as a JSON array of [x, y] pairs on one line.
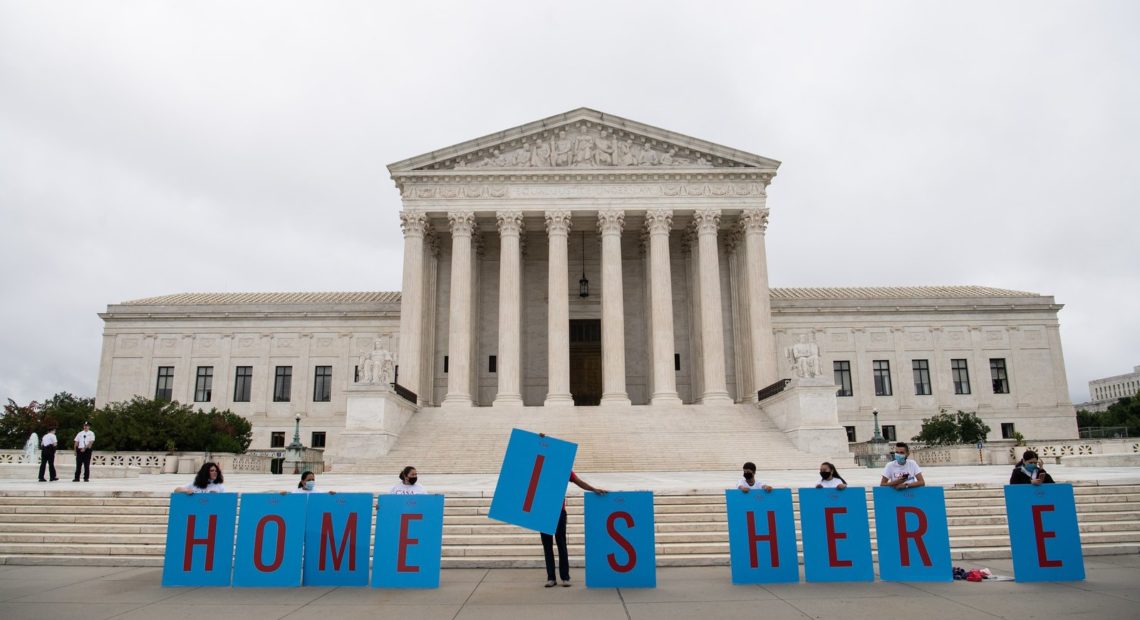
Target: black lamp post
[[293, 452], [583, 284], [878, 437]]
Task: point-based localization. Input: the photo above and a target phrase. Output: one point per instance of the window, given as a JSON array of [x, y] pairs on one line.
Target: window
[[677, 362], [164, 389], [243, 378], [277, 439], [850, 433], [889, 432], [961, 376], [998, 376], [1007, 430], [322, 384], [445, 364], [842, 371], [921, 377], [882, 370], [282, 384], [493, 364], [318, 440], [204, 384]]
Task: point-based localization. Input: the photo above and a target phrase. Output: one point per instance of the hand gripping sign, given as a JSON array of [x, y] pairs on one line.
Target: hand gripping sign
[[409, 540], [336, 539], [762, 536], [200, 539], [620, 541], [914, 541], [1043, 532], [837, 539], [532, 482], [270, 540]]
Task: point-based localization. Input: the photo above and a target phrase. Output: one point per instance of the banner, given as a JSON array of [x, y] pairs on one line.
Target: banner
[[1044, 533], [270, 540], [620, 551], [199, 539], [836, 535], [914, 540], [532, 482], [762, 536], [409, 541], [336, 539]]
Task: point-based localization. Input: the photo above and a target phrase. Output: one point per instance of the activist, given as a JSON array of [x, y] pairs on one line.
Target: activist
[[308, 484], [409, 483], [208, 480], [749, 481], [560, 537], [1028, 471], [902, 473], [829, 478]]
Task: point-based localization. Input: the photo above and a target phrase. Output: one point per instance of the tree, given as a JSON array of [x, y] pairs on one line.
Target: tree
[[64, 411], [1124, 412], [971, 428], [952, 428]]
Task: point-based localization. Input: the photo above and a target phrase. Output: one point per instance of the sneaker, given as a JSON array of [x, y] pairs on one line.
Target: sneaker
[[76, 480], [42, 480], [565, 583], [551, 583], [54, 479]]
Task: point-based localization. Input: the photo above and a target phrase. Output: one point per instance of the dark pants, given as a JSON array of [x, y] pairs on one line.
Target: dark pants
[[83, 461], [47, 459], [563, 554]]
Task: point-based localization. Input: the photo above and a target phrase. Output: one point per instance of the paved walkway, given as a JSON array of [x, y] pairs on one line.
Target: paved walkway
[[39, 592]]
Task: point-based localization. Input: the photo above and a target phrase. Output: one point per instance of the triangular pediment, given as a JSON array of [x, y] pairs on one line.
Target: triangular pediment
[[583, 139]]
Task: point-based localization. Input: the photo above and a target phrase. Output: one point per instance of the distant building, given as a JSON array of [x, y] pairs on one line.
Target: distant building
[[1106, 391]]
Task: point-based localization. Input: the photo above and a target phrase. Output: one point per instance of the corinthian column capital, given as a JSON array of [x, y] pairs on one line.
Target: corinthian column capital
[[557, 222], [659, 221], [510, 222], [413, 224], [706, 221], [462, 223], [754, 220], [611, 222]]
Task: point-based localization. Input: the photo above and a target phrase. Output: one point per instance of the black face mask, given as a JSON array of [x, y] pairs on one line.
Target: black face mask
[[826, 475], [412, 480], [748, 475]]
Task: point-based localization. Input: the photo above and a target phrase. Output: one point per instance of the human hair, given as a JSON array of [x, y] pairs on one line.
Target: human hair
[[306, 474], [202, 480], [750, 465], [902, 444], [1029, 454], [404, 473], [834, 472]]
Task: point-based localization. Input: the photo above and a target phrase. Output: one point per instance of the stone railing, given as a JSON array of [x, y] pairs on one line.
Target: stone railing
[[155, 462], [1008, 453]]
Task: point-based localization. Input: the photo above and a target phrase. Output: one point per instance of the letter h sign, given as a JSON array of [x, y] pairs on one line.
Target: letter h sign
[[200, 545], [762, 536]]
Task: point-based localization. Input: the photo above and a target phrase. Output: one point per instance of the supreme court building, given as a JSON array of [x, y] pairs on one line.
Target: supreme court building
[[586, 260]]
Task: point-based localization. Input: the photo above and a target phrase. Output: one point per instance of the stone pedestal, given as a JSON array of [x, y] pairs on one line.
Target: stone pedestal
[[373, 422], [808, 414]]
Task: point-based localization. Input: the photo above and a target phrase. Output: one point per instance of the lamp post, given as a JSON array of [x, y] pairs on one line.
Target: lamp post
[[877, 437], [293, 452]]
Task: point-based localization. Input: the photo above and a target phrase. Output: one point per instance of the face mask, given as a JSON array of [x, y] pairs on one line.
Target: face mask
[[309, 484], [900, 458], [1030, 467], [412, 480], [826, 475]]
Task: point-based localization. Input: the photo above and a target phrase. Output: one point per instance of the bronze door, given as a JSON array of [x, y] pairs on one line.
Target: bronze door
[[586, 361]]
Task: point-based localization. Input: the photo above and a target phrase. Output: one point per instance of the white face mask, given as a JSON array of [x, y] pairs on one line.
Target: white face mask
[[310, 484]]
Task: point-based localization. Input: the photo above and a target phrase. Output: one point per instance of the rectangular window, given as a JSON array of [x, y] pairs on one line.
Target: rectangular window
[[164, 389], [445, 364], [318, 439], [921, 377], [277, 439], [282, 384], [677, 362], [850, 433], [204, 384], [882, 370], [889, 432], [842, 371], [1007, 430], [493, 364], [322, 384], [998, 375], [961, 376], [243, 381]]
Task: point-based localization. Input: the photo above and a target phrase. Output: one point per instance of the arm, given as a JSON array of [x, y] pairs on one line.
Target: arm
[[918, 482], [883, 482], [743, 488], [586, 485]]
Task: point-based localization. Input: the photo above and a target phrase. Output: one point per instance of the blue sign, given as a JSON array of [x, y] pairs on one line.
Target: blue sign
[[200, 539], [620, 550], [762, 536], [914, 540], [836, 536], [336, 539], [532, 481], [1043, 532], [409, 541], [270, 540]]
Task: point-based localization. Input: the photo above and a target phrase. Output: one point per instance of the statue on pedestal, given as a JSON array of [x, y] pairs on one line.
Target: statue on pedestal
[[804, 357], [377, 365]]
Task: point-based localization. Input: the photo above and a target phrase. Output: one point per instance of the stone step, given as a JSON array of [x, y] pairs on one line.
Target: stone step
[[86, 510], [81, 500], [82, 527]]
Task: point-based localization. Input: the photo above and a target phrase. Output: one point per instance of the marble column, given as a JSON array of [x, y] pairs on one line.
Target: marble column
[[658, 222], [610, 224], [558, 312], [754, 223], [707, 222], [510, 311], [411, 300], [460, 323]]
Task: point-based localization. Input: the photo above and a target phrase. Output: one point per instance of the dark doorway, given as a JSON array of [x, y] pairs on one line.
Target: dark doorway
[[586, 361]]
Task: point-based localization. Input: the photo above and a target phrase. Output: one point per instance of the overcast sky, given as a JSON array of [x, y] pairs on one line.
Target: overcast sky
[[152, 147]]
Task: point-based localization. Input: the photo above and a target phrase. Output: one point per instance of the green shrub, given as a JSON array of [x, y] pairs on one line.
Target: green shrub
[[952, 428]]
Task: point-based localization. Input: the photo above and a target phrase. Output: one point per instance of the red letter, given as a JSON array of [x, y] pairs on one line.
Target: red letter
[[348, 540], [1041, 534], [538, 460], [904, 546], [259, 538], [753, 538], [191, 542], [612, 558], [832, 553], [402, 554]]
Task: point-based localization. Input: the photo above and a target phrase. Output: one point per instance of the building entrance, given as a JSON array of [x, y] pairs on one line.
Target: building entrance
[[586, 361]]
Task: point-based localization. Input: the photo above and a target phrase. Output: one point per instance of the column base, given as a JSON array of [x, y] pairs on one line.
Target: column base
[[558, 399], [508, 400], [457, 401], [665, 398], [716, 398], [617, 398]]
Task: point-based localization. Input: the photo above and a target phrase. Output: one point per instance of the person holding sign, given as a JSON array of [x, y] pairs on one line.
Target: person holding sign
[[409, 483], [1028, 471], [308, 484], [829, 478], [749, 481], [208, 480], [902, 473]]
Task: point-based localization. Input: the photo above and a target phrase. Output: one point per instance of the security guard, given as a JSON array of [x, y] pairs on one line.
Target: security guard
[[84, 443]]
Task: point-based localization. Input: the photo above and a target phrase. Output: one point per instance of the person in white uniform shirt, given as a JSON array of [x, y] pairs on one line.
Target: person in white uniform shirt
[[84, 444], [749, 481], [902, 472], [409, 483], [829, 477], [47, 456], [308, 484], [208, 480]]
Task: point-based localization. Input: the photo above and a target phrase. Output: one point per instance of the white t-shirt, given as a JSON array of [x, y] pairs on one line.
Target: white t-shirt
[[85, 439], [303, 490], [910, 469], [407, 489], [756, 484], [831, 483], [212, 487], [48, 440]]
